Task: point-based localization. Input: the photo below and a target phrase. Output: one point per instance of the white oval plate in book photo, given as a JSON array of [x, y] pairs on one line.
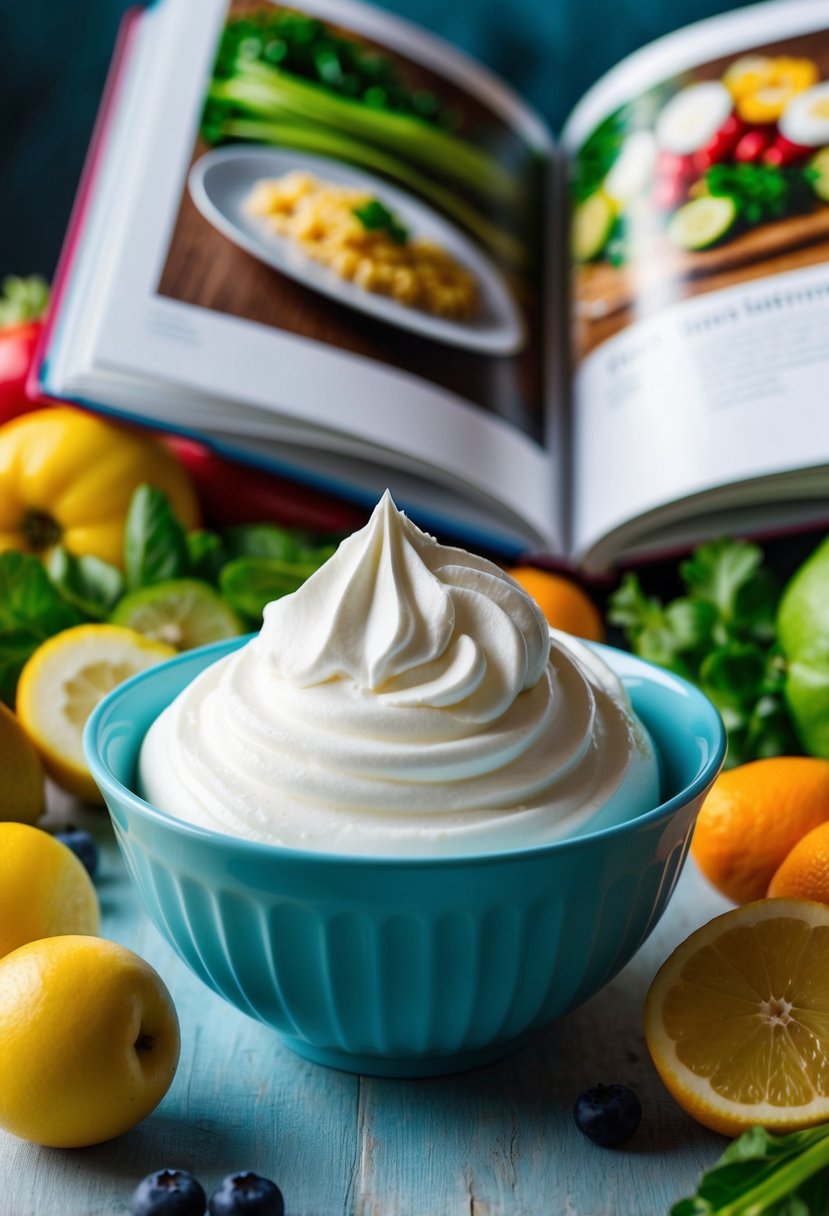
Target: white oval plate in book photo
[[221, 181]]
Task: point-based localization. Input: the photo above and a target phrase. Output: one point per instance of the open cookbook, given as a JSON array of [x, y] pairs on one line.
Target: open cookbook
[[327, 243]]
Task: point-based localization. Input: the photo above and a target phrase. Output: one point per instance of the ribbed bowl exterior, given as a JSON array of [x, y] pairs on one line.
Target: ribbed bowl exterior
[[406, 967]]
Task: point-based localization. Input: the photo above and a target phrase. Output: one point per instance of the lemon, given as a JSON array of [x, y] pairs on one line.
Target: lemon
[[89, 1041], [62, 683], [44, 888], [21, 772], [737, 1019]]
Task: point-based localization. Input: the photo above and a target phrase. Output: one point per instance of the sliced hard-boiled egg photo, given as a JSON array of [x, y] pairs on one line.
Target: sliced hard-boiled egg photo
[[805, 120], [692, 118], [632, 171]]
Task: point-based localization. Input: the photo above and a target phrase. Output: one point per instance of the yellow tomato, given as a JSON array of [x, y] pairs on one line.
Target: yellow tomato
[[66, 477]]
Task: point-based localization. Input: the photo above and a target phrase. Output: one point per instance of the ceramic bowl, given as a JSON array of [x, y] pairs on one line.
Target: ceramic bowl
[[406, 967]]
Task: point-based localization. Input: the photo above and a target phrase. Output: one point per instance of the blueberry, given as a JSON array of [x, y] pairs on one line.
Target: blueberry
[[168, 1193], [247, 1194], [83, 845], [608, 1114]]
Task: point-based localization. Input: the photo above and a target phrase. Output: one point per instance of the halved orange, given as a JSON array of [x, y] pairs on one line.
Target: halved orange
[[737, 1019]]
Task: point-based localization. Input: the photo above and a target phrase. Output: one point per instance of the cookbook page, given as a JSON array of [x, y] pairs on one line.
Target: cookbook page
[[339, 221], [700, 239]]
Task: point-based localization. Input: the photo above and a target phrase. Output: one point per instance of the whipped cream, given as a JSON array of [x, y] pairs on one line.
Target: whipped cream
[[408, 700]]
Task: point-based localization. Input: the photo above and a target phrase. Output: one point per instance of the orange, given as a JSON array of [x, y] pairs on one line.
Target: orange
[[44, 888], [754, 816], [737, 1019], [804, 873], [563, 603]]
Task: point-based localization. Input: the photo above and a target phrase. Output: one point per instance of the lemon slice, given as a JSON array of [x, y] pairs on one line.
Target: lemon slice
[[62, 683], [737, 1019]]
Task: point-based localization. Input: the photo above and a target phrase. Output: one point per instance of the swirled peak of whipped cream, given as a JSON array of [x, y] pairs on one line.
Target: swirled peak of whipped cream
[[408, 700]]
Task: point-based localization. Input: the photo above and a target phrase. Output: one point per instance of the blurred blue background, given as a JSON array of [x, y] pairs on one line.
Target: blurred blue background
[[55, 55]]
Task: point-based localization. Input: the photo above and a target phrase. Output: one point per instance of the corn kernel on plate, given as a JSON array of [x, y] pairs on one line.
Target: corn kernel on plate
[[403, 262]]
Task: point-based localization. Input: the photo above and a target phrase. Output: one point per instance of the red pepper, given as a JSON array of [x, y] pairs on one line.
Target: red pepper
[[783, 152], [232, 493], [722, 145], [753, 144]]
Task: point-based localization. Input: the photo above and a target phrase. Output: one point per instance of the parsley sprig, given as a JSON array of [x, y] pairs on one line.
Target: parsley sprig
[[720, 635], [376, 217]]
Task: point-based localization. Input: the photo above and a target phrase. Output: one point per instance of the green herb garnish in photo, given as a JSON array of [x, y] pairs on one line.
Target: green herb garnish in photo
[[376, 217]]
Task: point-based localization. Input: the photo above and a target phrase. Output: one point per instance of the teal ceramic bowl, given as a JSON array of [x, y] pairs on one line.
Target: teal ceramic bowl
[[406, 967]]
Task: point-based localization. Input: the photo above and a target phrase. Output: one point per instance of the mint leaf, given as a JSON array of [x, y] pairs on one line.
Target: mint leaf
[[88, 583], [16, 646], [28, 599], [262, 540], [249, 583], [155, 542], [31, 610], [206, 555]]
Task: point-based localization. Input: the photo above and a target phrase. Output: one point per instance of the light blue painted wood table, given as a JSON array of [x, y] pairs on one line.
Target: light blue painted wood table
[[499, 1141]]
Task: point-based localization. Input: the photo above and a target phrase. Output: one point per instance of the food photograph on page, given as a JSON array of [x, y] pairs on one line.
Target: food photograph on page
[[363, 197], [715, 177]]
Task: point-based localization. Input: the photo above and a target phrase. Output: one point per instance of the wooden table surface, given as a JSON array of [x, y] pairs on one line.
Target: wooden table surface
[[498, 1141]]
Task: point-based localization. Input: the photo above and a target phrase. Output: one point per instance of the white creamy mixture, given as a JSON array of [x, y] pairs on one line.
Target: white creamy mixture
[[406, 700]]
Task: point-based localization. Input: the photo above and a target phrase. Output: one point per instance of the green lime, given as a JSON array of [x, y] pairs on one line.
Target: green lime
[[592, 224], [803, 631], [703, 222], [182, 612]]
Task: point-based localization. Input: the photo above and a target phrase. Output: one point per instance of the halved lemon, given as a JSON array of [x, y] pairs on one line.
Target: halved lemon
[[737, 1019], [62, 683]]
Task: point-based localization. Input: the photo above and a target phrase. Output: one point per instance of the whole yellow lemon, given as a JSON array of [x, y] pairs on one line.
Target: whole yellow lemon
[[22, 784], [44, 888], [89, 1041]]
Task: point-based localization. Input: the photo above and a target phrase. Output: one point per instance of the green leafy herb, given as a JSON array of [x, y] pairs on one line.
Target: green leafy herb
[[313, 51], [206, 555], [762, 192], [376, 217], [249, 583], [22, 300], [90, 585], [262, 540], [269, 540], [155, 542], [720, 635], [760, 1174], [31, 610]]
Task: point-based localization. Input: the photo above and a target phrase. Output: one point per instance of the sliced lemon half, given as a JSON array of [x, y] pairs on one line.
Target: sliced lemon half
[[737, 1019], [62, 683]]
